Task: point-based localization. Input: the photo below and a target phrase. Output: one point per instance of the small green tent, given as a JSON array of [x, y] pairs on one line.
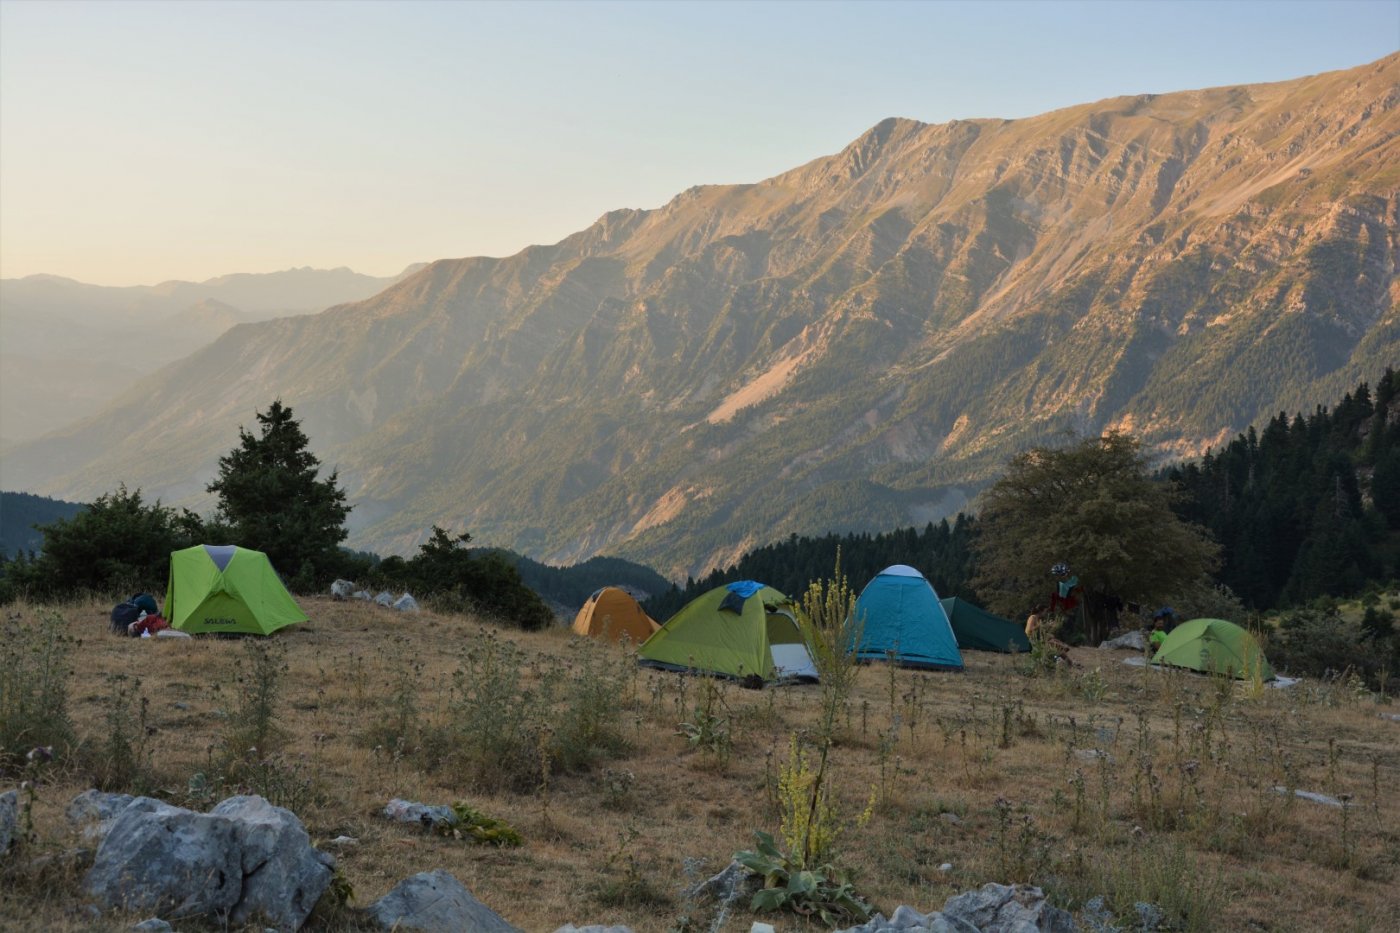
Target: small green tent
[[1214, 646], [224, 588], [980, 630], [741, 630]]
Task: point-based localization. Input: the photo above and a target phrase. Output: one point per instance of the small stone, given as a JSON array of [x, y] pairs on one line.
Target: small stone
[[1150, 916], [406, 603], [341, 842], [946, 866], [907, 918], [1000, 908], [727, 886], [762, 928], [952, 819], [385, 598], [407, 811], [1131, 641], [1310, 795], [181, 706], [153, 925], [592, 928], [435, 902]]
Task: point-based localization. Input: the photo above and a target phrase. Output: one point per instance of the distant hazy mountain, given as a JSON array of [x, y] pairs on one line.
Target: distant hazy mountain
[[70, 348], [857, 343]]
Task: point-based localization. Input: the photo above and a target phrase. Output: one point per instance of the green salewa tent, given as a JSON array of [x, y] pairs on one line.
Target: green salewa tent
[[223, 588], [741, 630], [980, 630], [1214, 646]]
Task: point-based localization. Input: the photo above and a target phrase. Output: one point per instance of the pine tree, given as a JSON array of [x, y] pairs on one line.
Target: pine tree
[[271, 498]]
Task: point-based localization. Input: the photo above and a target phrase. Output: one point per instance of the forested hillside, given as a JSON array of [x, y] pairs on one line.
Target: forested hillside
[[20, 512], [1309, 506], [571, 586], [941, 552]]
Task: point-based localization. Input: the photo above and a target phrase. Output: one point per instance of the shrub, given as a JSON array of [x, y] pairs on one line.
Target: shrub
[[1166, 875], [478, 827], [1320, 641], [123, 760], [253, 723], [822, 891], [588, 724], [505, 734], [455, 579], [34, 676], [494, 723], [117, 544]]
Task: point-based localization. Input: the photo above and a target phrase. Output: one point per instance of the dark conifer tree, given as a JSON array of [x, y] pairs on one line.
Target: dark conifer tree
[[273, 501]]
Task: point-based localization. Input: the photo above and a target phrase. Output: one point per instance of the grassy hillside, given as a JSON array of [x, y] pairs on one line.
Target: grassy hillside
[[1100, 779]]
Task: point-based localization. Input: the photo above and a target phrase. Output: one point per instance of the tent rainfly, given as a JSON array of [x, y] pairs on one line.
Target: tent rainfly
[[979, 630], [225, 588], [742, 630]]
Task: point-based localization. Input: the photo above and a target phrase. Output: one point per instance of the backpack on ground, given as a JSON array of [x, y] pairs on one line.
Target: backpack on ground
[[123, 614]]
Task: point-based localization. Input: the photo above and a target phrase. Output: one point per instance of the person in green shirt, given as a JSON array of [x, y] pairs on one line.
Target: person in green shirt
[[1159, 633]]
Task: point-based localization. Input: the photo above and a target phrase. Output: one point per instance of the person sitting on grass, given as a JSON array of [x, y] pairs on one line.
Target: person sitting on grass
[[1159, 633], [1041, 630]]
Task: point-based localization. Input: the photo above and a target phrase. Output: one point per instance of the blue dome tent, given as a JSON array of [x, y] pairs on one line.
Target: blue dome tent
[[899, 618]]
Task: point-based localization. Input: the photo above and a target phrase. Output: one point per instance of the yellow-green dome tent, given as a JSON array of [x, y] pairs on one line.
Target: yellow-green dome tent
[[1214, 646], [741, 630], [225, 588]]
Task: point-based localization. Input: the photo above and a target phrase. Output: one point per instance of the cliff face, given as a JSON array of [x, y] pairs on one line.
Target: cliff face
[[859, 342]]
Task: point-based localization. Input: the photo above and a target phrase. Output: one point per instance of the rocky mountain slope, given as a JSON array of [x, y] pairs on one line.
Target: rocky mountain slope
[[856, 343]]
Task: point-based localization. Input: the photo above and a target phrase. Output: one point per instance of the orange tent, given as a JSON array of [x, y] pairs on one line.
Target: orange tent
[[613, 613]]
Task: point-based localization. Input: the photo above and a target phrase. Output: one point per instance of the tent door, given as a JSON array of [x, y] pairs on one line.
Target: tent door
[[788, 649], [792, 661]]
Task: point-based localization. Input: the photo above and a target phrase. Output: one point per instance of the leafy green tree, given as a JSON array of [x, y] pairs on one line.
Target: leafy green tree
[[118, 544], [1093, 506], [481, 581], [272, 501]]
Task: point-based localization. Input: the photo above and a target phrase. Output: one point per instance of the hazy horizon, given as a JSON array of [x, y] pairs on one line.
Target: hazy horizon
[[150, 142]]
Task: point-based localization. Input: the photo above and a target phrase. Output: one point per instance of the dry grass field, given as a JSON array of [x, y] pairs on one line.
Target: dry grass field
[[1100, 778]]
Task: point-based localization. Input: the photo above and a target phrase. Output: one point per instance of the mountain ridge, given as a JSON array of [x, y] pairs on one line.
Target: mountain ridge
[[54, 327], [859, 341]]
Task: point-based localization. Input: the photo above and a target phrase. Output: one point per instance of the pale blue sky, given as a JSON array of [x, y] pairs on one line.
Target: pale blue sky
[[148, 141]]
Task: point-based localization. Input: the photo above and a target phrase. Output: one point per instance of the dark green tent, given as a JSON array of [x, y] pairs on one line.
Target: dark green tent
[[979, 630]]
